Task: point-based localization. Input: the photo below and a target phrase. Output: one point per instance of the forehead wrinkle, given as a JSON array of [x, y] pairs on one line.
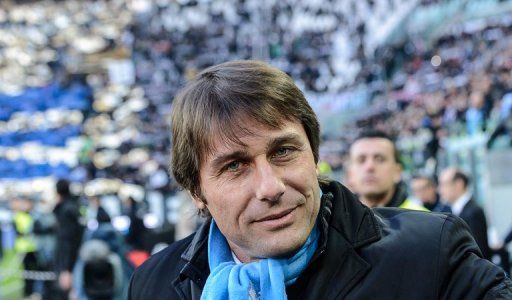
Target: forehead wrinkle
[[224, 133], [230, 130], [221, 158], [288, 137]]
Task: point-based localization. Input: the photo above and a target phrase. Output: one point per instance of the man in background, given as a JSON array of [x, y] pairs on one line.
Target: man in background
[[375, 172], [25, 244], [424, 189], [69, 236], [454, 189]]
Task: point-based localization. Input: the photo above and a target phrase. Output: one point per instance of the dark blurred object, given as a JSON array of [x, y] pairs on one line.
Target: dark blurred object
[[102, 271], [97, 212], [508, 238], [503, 128], [137, 231], [504, 258], [99, 270], [504, 254], [99, 279]]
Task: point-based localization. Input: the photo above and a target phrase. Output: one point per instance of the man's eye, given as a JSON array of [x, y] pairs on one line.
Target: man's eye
[[282, 152], [380, 159], [233, 166]]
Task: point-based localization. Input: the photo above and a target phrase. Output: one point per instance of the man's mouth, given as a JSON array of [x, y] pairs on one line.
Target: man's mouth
[[276, 215], [277, 220], [370, 180]]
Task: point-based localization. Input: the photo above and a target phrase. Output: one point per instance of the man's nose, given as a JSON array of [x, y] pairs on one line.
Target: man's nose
[[268, 183], [369, 165]]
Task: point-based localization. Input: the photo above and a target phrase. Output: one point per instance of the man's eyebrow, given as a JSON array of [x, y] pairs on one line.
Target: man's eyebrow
[[288, 138], [219, 161]]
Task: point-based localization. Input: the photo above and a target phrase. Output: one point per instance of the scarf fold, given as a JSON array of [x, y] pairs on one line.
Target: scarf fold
[[265, 279]]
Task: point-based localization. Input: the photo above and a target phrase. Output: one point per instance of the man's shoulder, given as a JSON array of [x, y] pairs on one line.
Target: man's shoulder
[[442, 208], [422, 231], [411, 237], [472, 207], [420, 223], [397, 212], [436, 245], [162, 266]]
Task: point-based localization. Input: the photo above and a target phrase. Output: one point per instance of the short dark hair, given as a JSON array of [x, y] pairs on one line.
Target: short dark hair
[[220, 99], [374, 133], [460, 175], [62, 188], [430, 180]]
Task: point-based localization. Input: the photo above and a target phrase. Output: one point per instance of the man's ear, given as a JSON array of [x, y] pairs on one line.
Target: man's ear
[[397, 174], [199, 202], [459, 185]]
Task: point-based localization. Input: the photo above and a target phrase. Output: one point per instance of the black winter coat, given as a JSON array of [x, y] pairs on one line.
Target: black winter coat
[[69, 233], [384, 253]]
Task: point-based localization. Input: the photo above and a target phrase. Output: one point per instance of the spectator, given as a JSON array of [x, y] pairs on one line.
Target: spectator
[[475, 114], [136, 230], [375, 172], [96, 214], [424, 189], [45, 226], [69, 236], [25, 244], [454, 189]]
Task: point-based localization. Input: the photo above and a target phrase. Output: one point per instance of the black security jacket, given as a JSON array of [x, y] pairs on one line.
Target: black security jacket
[[384, 253]]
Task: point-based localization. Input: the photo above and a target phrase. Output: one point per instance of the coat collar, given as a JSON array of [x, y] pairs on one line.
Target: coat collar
[[354, 221], [351, 225], [346, 226], [196, 256], [399, 196]]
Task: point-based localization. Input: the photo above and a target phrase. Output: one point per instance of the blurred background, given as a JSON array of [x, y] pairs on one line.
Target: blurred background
[[86, 89]]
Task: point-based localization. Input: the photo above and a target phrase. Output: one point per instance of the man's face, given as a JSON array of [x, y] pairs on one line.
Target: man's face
[[373, 169], [423, 190], [264, 195], [448, 188]]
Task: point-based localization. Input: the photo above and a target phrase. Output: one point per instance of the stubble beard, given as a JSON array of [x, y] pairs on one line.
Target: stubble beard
[[374, 199]]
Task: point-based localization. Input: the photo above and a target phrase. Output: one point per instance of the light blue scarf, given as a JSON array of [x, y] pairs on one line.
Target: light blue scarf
[[265, 279]]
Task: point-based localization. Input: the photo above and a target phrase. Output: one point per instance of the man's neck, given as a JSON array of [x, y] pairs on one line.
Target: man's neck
[[431, 204], [378, 200], [459, 203], [239, 254], [432, 201]]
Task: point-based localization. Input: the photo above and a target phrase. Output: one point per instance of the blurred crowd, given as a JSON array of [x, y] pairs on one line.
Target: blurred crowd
[[86, 89], [321, 44], [461, 86]]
